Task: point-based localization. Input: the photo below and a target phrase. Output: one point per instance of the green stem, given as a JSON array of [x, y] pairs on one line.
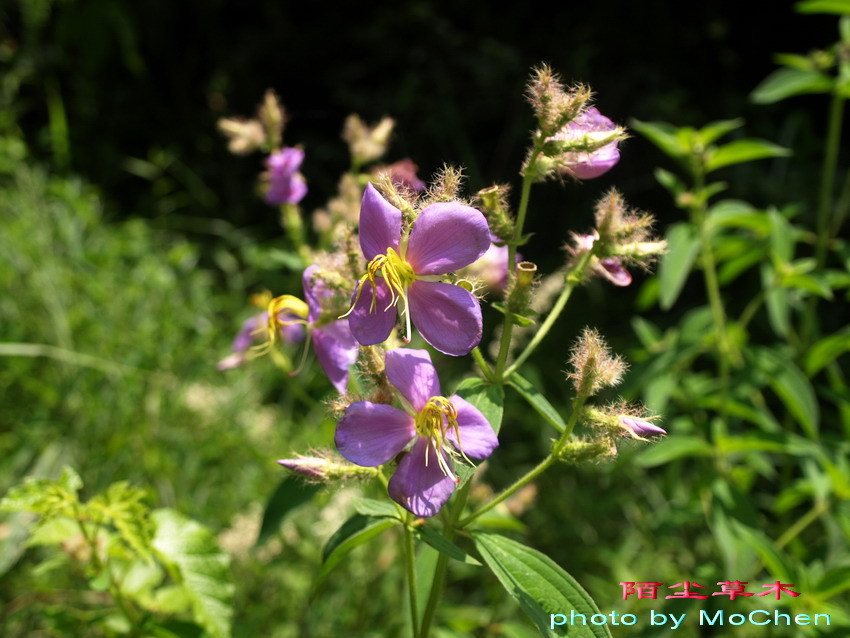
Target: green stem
[[482, 364], [830, 164], [802, 523], [443, 562], [527, 180], [410, 564], [532, 474], [573, 277], [290, 216]]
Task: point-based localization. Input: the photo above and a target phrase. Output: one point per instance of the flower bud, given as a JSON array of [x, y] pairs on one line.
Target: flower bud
[[583, 450], [593, 365], [493, 202], [244, 136], [324, 467], [273, 117], [367, 143]]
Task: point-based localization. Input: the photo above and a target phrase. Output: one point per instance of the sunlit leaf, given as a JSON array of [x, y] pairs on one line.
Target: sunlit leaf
[[677, 262], [488, 398], [672, 448], [839, 7], [663, 135], [202, 568], [444, 545], [539, 585], [790, 385], [826, 351], [537, 401], [784, 83], [741, 151]]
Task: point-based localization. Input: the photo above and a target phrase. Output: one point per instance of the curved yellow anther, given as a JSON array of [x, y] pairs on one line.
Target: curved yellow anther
[[397, 273], [282, 311], [437, 417]]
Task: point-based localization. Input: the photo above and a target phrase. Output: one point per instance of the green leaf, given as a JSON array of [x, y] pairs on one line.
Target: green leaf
[[668, 180], [488, 398], [672, 448], [516, 319], [785, 83], [290, 493], [539, 585], [790, 385], [663, 135], [48, 497], [838, 7], [741, 151], [677, 262], [191, 551], [713, 131], [537, 401], [121, 505], [356, 531], [826, 351], [776, 301], [444, 545], [376, 508]]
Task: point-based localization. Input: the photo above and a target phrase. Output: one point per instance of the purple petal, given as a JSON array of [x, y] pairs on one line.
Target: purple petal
[[368, 327], [370, 434], [250, 328], [641, 427], [315, 290], [447, 316], [336, 349], [477, 439], [420, 488], [413, 374], [445, 237], [614, 271], [380, 224]]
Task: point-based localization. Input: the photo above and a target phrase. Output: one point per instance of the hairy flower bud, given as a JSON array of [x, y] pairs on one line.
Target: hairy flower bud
[[325, 467], [593, 367], [367, 143], [244, 136], [273, 117]]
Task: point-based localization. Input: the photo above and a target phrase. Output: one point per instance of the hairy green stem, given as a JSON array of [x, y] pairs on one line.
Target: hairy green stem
[[482, 364], [536, 471], [410, 569], [507, 329], [573, 277], [450, 524]]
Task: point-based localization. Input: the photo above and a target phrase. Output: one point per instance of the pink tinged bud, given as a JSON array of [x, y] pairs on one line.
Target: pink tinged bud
[[639, 428], [403, 173], [615, 272], [308, 466], [588, 128], [285, 184]]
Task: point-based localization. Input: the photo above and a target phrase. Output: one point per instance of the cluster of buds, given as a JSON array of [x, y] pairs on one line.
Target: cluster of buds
[[574, 138], [366, 143], [622, 237]]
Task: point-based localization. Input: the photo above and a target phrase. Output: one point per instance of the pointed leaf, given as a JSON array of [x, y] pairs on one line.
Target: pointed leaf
[[677, 262], [742, 151], [675, 447], [826, 351], [663, 135], [537, 401], [784, 83], [838, 7], [539, 585], [376, 508], [790, 385], [444, 545], [191, 550], [290, 493], [715, 130], [356, 531]]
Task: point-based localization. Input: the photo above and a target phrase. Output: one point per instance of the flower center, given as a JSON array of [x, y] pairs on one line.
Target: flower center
[[283, 311], [432, 422], [397, 273]]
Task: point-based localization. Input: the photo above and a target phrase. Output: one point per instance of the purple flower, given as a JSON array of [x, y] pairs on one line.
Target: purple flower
[[336, 348], [611, 268], [403, 173], [439, 428], [285, 184], [638, 428], [404, 274], [252, 329], [587, 129]]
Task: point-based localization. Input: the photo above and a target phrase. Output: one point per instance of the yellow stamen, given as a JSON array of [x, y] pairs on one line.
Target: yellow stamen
[[397, 273], [283, 311], [432, 422]]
